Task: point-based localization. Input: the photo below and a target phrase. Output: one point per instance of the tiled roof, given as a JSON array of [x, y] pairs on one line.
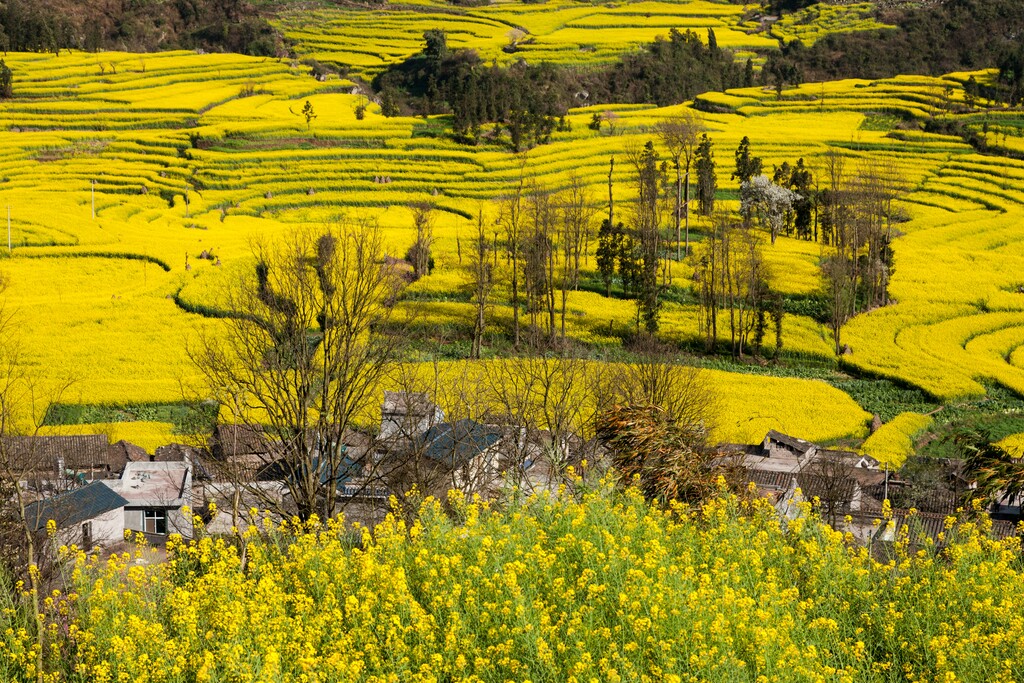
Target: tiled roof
[[456, 443], [41, 453], [791, 441], [769, 480], [827, 488], [75, 507], [129, 451], [231, 440]]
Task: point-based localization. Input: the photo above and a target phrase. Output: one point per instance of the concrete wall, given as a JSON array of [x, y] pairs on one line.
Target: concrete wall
[[107, 530], [177, 521]]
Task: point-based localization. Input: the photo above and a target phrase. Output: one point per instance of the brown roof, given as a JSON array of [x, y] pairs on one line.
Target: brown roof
[[128, 451], [769, 480], [38, 454], [867, 477], [930, 524], [230, 440], [791, 441], [174, 452], [831, 488]]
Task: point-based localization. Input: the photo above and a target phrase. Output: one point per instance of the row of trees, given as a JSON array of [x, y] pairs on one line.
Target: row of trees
[[544, 237], [531, 101], [733, 284], [857, 216]]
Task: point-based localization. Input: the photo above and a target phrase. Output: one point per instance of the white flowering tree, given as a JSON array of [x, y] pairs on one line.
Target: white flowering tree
[[769, 202]]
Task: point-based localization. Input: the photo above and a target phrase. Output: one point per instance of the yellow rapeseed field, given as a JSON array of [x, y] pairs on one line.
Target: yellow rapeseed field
[[591, 585], [186, 155], [893, 442]]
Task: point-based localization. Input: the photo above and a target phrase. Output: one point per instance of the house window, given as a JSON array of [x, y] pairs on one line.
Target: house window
[[87, 536], [154, 521]]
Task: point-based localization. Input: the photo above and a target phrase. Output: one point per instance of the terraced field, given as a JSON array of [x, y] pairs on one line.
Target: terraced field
[[958, 312], [191, 156], [560, 32]]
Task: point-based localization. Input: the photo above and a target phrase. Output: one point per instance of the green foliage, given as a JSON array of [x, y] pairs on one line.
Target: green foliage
[[707, 179], [308, 113], [6, 81], [930, 38], [668, 71], [609, 244], [747, 165], [52, 25], [187, 418], [997, 475], [884, 398]]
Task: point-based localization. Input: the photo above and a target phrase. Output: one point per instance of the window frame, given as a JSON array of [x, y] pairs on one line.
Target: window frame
[[158, 516]]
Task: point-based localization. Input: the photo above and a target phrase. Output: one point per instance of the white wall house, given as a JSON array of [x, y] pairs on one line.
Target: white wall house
[[155, 493], [93, 515]]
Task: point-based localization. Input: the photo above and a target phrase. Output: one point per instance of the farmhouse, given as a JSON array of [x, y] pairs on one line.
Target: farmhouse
[[155, 493], [93, 515], [406, 414]]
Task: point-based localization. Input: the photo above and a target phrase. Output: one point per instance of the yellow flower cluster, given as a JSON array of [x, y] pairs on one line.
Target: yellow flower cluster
[[600, 586]]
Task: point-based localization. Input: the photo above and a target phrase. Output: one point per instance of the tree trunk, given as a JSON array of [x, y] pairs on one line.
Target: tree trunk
[[679, 210], [515, 297], [686, 211], [611, 200]]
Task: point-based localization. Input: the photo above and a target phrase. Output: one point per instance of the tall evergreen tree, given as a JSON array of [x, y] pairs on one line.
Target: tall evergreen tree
[[609, 245], [707, 182], [747, 166]]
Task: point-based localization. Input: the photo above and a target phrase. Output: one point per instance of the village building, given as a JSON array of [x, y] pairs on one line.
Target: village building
[[45, 464], [406, 414], [156, 493], [93, 515]]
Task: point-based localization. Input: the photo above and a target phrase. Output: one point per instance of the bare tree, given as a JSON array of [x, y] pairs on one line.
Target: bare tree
[[303, 355], [827, 481], [511, 218], [577, 215], [419, 253], [680, 135], [545, 404], [539, 253], [839, 283], [657, 377], [733, 279], [707, 278], [482, 272], [646, 222]]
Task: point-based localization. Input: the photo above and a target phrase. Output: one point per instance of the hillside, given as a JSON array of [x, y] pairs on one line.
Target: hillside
[[220, 25], [189, 156]]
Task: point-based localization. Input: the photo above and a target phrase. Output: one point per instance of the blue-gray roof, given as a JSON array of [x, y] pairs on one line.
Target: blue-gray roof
[[456, 443], [74, 507]]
